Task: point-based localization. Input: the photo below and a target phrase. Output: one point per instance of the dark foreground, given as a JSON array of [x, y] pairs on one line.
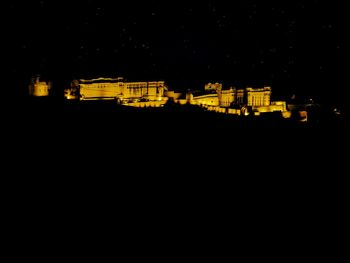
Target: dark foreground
[[178, 170], [102, 135], [89, 133]]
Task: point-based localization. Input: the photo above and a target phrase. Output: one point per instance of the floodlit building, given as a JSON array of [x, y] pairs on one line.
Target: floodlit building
[[39, 88], [205, 100], [236, 101], [275, 106], [117, 88], [213, 87], [259, 97], [226, 97], [250, 97], [155, 94], [240, 97]]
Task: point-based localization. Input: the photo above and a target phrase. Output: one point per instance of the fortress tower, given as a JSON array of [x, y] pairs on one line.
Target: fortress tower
[[39, 88]]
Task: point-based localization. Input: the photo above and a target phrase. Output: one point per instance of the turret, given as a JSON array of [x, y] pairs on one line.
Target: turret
[[39, 88]]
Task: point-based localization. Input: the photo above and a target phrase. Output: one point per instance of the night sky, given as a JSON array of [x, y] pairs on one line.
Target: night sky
[[295, 46]]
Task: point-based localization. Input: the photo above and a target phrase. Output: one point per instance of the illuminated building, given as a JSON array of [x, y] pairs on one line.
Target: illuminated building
[[274, 106], [249, 97], [213, 87], [117, 88], [155, 94], [239, 97], [205, 100], [258, 97], [236, 101], [226, 97], [39, 88]]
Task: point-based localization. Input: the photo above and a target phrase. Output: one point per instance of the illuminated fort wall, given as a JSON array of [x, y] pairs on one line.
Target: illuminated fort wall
[[204, 100], [275, 106]]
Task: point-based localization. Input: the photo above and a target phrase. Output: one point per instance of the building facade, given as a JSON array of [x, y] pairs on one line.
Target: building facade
[[240, 98], [226, 98], [109, 88], [251, 97], [38, 88], [213, 87], [236, 101], [258, 97]]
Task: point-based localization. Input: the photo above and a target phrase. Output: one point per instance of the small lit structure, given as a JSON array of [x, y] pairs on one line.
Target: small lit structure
[[39, 88], [213, 87]]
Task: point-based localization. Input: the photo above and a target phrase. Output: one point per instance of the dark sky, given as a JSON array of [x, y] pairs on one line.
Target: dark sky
[[291, 45]]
